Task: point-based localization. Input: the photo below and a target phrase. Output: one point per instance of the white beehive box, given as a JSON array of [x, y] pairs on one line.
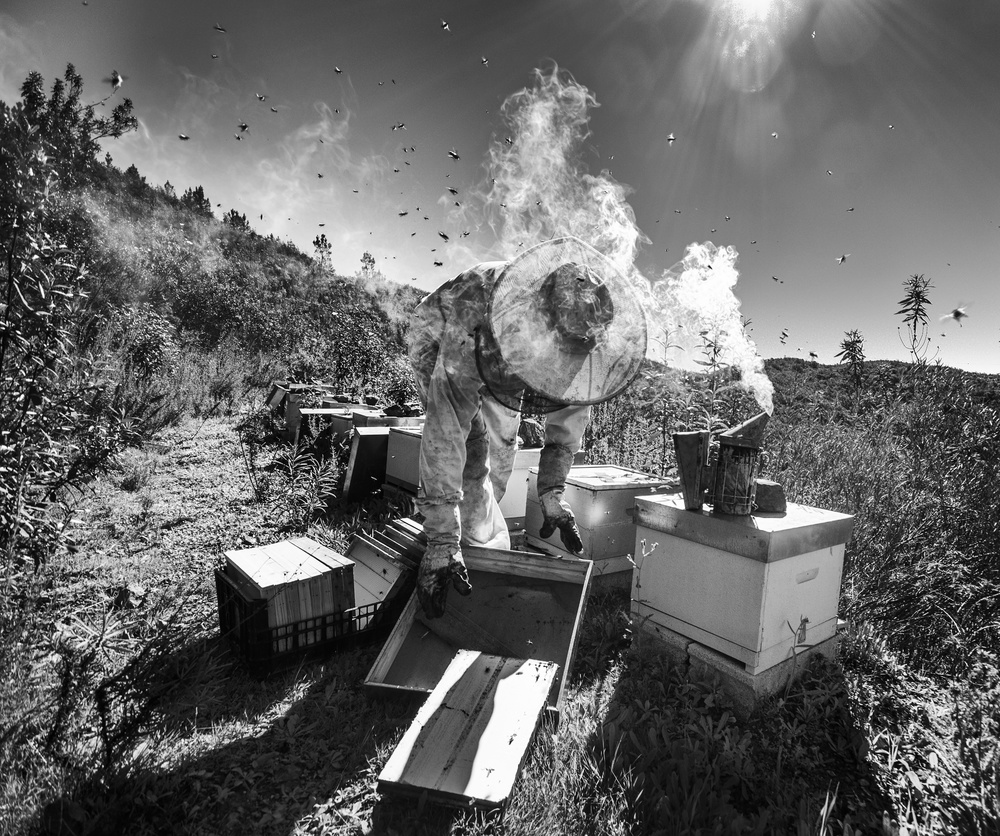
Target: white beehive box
[[515, 500], [603, 499], [740, 585], [402, 469]]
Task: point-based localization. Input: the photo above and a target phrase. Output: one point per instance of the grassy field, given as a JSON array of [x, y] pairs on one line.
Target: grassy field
[[128, 716]]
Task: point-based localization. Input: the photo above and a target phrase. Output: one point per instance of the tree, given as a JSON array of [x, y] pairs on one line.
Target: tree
[[195, 200], [323, 250], [136, 184], [234, 219], [68, 130], [368, 265], [51, 436]]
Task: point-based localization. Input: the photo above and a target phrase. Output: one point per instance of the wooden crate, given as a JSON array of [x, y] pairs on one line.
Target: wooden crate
[[603, 501], [372, 588], [524, 605], [469, 739], [740, 585], [292, 580]]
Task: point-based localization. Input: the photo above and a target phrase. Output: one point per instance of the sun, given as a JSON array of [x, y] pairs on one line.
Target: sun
[[752, 9]]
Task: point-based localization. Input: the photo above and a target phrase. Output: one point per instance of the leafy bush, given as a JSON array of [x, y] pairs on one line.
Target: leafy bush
[[49, 438]]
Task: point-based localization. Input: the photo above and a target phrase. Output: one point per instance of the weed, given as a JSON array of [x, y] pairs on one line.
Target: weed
[[309, 485]]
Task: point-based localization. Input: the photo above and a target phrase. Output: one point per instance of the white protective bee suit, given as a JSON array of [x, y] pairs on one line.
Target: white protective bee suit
[[470, 437]]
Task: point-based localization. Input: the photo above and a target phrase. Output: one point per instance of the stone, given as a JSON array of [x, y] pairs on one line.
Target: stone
[[770, 498]]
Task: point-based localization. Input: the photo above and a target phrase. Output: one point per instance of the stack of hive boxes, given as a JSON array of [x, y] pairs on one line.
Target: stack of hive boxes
[[402, 470]]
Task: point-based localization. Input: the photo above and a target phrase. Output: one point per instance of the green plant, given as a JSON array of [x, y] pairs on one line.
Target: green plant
[[913, 309], [309, 486], [50, 440], [852, 352]]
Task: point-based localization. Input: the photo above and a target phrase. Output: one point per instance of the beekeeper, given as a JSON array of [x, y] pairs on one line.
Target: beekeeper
[[553, 331]]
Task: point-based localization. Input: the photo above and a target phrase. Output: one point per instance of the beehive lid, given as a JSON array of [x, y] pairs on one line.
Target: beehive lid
[[414, 431], [603, 477], [763, 537], [470, 737]]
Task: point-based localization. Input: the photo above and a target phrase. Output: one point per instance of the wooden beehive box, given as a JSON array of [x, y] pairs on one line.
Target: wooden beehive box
[[298, 584], [523, 606], [740, 585], [365, 471], [402, 465], [603, 501]]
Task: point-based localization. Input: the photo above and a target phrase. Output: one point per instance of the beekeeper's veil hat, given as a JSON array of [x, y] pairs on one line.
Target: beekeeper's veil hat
[[564, 327]]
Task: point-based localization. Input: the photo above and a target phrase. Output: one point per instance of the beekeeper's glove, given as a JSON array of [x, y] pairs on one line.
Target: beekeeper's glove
[[442, 565], [556, 513]]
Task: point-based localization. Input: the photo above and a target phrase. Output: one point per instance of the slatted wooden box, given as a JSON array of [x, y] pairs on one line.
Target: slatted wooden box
[[271, 627], [603, 501], [522, 606], [740, 585], [296, 584]]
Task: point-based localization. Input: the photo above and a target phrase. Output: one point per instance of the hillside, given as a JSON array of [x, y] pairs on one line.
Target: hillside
[[139, 333]]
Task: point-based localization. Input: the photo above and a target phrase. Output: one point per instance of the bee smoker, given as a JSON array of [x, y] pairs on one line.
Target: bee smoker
[[721, 472], [692, 450]]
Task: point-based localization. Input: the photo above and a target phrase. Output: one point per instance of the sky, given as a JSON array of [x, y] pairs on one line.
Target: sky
[[794, 133]]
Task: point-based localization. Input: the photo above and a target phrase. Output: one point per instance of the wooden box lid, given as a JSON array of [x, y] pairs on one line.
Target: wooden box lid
[[763, 537]]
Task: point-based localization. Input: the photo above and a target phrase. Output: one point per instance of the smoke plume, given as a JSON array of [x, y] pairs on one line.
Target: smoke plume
[[694, 302], [541, 189], [540, 186]]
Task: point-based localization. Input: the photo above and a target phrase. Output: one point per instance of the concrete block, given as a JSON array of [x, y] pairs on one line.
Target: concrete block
[[747, 690], [674, 645]]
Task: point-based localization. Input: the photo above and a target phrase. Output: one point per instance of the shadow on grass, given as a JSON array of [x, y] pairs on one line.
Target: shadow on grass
[[297, 752], [690, 762]]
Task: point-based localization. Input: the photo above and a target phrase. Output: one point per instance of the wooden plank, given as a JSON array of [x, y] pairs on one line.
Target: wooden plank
[[526, 564], [411, 527], [470, 738], [389, 550], [340, 569], [405, 543]]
